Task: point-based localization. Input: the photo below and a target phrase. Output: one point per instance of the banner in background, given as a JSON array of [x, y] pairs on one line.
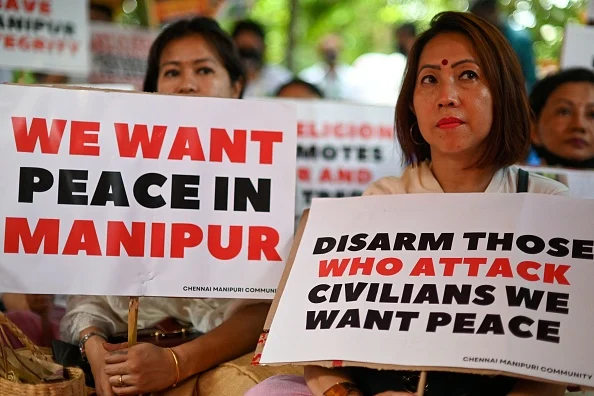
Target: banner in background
[[120, 193], [578, 50], [45, 36], [119, 54], [437, 282], [342, 148]]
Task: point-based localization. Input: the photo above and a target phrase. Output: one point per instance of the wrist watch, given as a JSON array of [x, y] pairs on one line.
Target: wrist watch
[[83, 341], [341, 389]]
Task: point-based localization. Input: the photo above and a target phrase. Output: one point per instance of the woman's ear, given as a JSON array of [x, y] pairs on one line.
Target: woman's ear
[[236, 88], [534, 135]]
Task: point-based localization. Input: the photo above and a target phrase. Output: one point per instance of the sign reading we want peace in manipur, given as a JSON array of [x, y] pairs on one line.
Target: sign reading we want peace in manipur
[[465, 282], [143, 194]]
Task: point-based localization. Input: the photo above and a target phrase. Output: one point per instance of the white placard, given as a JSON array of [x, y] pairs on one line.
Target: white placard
[[579, 182], [119, 54], [342, 148], [44, 35], [436, 281], [578, 50], [95, 214]]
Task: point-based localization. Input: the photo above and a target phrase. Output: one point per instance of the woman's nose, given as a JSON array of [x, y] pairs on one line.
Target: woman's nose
[[448, 96], [578, 121], [188, 84]]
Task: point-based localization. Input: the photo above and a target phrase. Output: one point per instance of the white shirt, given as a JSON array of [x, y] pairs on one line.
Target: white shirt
[[339, 85], [420, 179], [270, 79]]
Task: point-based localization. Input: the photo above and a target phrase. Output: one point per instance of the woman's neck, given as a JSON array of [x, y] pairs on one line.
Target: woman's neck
[[457, 176]]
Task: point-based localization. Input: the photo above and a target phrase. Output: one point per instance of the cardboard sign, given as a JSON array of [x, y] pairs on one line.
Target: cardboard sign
[[342, 148], [48, 36], [578, 50], [480, 283], [119, 193], [119, 55], [579, 182]]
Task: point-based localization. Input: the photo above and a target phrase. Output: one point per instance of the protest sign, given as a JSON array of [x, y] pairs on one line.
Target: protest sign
[[123, 193], [578, 50], [342, 148], [579, 182], [48, 36], [481, 283], [119, 54]]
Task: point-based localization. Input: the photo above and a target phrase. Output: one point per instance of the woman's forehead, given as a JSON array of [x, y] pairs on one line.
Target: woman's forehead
[[451, 47]]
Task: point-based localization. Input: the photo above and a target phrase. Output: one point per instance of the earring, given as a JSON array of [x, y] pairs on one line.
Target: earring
[[412, 137]]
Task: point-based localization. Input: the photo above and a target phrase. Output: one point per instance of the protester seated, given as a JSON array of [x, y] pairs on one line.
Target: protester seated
[[563, 131], [37, 315], [299, 89], [462, 120], [190, 57]]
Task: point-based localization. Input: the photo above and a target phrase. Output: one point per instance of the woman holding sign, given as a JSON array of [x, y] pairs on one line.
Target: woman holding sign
[[462, 120], [190, 57]]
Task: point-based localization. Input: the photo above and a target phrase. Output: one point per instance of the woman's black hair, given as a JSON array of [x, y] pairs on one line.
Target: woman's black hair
[[212, 33], [545, 87], [297, 81]]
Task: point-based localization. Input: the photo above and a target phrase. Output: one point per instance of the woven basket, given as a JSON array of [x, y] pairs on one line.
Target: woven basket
[[74, 386]]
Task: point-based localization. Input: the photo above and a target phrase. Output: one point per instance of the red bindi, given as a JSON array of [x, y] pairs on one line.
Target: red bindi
[[444, 62]]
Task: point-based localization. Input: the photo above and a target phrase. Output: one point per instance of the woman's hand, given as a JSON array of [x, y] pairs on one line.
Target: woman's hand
[[143, 368], [96, 357]]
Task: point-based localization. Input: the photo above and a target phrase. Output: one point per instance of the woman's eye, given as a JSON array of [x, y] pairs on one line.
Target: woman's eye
[[205, 70], [469, 75], [428, 79], [590, 114], [563, 111], [171, 73]]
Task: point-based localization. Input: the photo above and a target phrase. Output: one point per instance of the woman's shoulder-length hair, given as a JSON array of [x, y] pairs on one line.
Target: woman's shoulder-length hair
[[508, 141], [220, 42]]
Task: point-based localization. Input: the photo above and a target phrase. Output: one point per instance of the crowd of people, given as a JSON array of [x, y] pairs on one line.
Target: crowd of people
[[464, 121]]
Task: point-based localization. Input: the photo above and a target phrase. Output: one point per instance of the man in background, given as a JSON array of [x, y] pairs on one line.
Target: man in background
[[406, 34], [262, 79], [334, 78], [519, 39]]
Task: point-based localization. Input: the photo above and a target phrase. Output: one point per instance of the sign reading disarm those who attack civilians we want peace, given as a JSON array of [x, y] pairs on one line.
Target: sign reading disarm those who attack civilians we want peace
[[144, 194], [465, 282]]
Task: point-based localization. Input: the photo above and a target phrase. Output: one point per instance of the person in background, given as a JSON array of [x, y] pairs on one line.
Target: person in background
[[563, 131], [299, 89], [462, 121], [262, 79], [406, 34], [519, 39], [333, 77], [197, 58]]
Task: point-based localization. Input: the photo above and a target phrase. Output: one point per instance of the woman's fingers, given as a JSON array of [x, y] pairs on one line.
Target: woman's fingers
[[117, 369], [116, 357]]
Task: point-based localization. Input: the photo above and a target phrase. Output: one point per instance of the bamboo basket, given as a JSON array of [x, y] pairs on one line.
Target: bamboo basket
[[74, 386]]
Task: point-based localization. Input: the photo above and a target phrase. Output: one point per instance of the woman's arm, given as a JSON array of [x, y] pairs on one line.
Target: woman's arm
[[533, 388], [320, 379]]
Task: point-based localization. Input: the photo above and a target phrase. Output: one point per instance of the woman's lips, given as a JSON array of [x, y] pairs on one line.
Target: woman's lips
[[449, 123], [577, 143]]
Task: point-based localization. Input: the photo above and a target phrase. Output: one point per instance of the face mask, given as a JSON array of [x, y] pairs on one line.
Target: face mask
[[330, 56], [251, 57]]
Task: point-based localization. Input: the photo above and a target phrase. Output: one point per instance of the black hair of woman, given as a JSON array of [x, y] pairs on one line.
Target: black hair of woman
[[211, 32], [297, 81]]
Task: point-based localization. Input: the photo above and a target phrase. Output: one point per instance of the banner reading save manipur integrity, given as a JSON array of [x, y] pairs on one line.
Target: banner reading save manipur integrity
[[110, 193], [342, 148], [44, 35], [498, 282]]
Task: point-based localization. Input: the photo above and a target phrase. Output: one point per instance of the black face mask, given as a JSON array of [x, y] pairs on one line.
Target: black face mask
[[330, 56], [554, 160], [251, 57]]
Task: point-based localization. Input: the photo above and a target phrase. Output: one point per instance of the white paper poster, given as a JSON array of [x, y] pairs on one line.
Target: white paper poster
[[579, 182], [464, 281], [578, 50], [342, 148], [119, 54], [118, 193], [45, 35]]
